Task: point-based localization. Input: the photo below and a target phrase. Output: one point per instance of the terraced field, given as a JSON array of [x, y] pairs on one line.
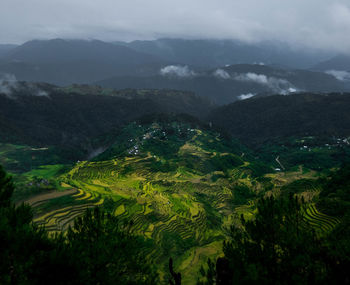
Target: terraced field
[[170, 198], [57, 212], [322, 223], [179, 187], [177, 214]]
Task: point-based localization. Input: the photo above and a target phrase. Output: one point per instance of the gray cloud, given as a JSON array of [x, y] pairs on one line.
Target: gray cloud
[[277, 85], [245, 96], [177, 70], [9, 86], [220, 73], [320, 24], [8, 83], [340, 74]]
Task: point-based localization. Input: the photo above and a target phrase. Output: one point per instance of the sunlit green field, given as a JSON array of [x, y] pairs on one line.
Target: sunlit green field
[[178, 186]]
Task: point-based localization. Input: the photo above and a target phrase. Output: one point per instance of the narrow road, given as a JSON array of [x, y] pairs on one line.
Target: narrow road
[[278, 161]]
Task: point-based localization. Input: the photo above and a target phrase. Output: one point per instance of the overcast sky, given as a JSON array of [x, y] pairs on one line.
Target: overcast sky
[[316, 23]]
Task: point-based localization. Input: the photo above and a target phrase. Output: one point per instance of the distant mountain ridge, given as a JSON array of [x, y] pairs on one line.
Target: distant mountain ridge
[[225, 85], [208, 68], [214, 53], [75, 61], [74, 116], [339, 62], [6, 48], [260, 119]]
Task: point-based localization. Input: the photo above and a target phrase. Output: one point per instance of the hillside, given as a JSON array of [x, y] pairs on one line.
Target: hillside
[[5, 49], [228, 84], [42, 115], [260, 119], [215, 53], [170, 180], [75, 61], [176, 184], [339, 62]]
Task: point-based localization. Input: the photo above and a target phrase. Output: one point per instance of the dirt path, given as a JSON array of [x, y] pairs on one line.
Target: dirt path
[[278, 161]]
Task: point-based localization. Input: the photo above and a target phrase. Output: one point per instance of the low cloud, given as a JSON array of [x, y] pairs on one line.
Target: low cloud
[[245, 96], [11, 87], [177, 70], [341, 75], [277, 85], [222, 74], [8, 83], [253, 77]]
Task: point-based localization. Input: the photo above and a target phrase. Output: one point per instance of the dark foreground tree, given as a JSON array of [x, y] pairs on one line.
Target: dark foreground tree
[[175, 276], [278, 248], [27, 255], [108, 254], [95, 251]]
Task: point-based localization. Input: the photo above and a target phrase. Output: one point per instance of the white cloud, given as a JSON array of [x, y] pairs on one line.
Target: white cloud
[[177, 70], [8, 83], [341, 75], [9, 86], [245, 96], [276, 85], [220, 73], [253, 77]]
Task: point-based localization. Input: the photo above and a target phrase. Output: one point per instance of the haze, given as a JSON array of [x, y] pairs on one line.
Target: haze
[[317, 24]]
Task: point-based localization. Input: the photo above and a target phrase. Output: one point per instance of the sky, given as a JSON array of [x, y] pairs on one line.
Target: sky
[[321, 24]]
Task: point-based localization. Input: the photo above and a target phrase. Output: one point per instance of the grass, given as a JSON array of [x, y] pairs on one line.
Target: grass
[[47, 171]]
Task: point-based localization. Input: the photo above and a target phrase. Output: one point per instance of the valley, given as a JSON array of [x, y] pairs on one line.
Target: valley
[[174, 143], [177, 184], [175, 170]]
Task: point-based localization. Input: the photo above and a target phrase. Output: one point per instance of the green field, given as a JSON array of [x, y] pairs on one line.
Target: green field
[[177, 185]]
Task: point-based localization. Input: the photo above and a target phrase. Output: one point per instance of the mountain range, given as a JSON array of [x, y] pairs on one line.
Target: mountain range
[[75, 61], [259, 119], [75, 116], [213, 53], [43, 114], [230, 83], [223, 71]]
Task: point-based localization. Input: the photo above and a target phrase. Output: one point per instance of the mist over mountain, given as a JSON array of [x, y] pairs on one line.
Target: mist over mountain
[[214, 53], [339, 63], [221, 70], [5, 49], [75, 61], [174, 142], [230, 83], [43, 114], [338, 66]]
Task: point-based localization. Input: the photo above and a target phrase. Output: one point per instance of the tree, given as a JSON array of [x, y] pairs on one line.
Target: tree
[[274, 248], [6, 189], [27, 255], [175, 276], [96, 250], [108, 253]]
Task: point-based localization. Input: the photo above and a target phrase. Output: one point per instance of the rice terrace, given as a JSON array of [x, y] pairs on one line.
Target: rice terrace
[[174, 142], [176, 185]]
